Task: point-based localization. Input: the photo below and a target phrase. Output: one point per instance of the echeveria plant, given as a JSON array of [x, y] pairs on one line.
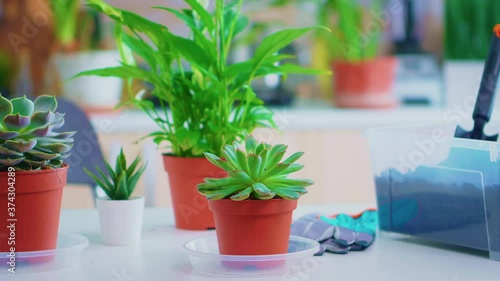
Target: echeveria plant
[[27, 141], [120, 182], [255, 172]]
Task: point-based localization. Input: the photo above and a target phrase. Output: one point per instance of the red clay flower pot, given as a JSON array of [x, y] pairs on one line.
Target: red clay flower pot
[[366, 84], [37, 203], [253, 227], [190, 207]]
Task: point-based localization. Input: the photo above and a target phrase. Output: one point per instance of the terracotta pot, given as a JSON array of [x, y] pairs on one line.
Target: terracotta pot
[[37, 201], [190, 207], [367, 84], [253, 227]]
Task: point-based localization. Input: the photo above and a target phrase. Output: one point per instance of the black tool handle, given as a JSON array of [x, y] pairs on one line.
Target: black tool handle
[[487, 89]]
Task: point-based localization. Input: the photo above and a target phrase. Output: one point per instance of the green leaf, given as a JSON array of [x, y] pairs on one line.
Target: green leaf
[[242, 161], [5, 107], [291, 169], [191, 51], [250, 145], [21, 145], [285, 194], [124, 71], [40, 119], [6, 151], [254, 164], [275, 156], [44, 103], [242, 195], [277, 41], [294, 157], [11, 161], [297, 69], [43, 155], [24, 106], [16, 122], [205, 17], [241, 176], [276, 170], [121, 192]]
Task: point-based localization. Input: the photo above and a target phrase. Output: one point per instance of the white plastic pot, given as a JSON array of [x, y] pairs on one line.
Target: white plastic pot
[[90, 92], [120, 220]]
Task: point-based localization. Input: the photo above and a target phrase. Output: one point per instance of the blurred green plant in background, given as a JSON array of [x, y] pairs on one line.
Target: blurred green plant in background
[[468, 26]]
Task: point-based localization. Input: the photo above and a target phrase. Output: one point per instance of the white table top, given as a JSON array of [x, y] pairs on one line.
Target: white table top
[[161, 256]]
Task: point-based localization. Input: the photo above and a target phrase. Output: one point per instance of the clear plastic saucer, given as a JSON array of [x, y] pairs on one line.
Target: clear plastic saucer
[[205, 259], [67, 254]]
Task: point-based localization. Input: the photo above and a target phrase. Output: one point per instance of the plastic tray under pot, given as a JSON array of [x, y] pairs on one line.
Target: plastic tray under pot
[[205, 259], [67, 254]]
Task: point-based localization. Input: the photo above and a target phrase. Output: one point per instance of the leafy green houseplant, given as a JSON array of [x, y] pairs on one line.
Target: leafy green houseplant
[[32, 170], [254, 203], [205, 101], [80, 46], [361, 77], [120, 215]]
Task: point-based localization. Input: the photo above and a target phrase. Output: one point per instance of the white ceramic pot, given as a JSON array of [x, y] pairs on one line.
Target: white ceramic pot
[[120, 220], [462, 81], [90, 92]]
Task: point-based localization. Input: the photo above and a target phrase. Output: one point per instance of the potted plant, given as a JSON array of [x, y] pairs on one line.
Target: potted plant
[[120, 214], [80, 47], [362, 79], [253, 205], [205, 102], [32, 172], [467, 40]]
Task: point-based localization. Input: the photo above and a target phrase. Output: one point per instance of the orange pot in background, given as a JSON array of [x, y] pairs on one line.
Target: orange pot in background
[[190, 207], [253, 227], [367, 84], [37, 203]]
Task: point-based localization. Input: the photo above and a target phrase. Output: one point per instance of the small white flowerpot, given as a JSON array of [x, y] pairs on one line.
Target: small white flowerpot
[[120, 220], [92, 93]]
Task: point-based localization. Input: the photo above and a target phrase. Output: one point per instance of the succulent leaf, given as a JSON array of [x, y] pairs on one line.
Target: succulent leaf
[[16, 121], [11, 161], [22, 106], [8, 135], [42, 155], [5, 107], [21, 145], [255, 172], [41, 119], [6, 151], [45, 103]]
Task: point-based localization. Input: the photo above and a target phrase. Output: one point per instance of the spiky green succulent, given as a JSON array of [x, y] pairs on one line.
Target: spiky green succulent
[[27, 141], [120, 182], [255, 172]]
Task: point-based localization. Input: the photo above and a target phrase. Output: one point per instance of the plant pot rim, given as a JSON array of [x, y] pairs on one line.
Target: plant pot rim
[[132, 198], [252, 207], [364, 61], [170, 155], [34, 172]]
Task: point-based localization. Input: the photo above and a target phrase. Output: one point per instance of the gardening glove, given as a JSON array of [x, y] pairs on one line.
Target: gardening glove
[[338, 233]]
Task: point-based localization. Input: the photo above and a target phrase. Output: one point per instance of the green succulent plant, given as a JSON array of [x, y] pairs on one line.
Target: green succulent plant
[[27, 141], [255, 172], [120, 182]]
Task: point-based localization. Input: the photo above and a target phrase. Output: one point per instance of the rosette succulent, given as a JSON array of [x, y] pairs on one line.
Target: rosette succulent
[[27, 141], [255, 172]]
